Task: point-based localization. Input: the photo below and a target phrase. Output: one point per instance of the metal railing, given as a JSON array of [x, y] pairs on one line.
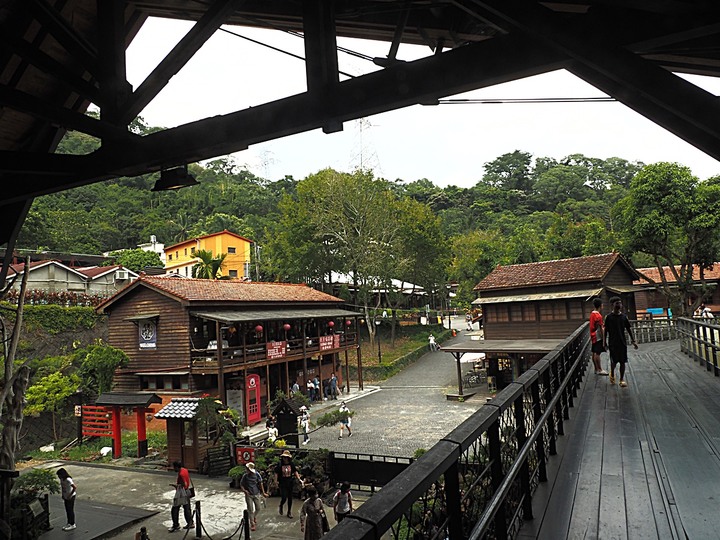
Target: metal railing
[[479, 480], [700, 340]]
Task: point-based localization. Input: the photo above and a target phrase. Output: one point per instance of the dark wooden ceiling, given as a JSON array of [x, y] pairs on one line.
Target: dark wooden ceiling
[[58, 56]]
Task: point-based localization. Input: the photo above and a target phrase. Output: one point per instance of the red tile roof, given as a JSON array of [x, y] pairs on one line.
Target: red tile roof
[[232, 290], [169, 248], [653, 274], [576, 270], [95, 271]]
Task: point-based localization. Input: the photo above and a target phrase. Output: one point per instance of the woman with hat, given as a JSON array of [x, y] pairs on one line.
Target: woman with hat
[[286, 471]]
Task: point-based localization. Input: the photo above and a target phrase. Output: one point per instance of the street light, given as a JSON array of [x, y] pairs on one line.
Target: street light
[[377, 334]]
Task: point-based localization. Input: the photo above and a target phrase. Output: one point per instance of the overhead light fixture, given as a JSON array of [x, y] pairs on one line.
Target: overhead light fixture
[[176, 178]]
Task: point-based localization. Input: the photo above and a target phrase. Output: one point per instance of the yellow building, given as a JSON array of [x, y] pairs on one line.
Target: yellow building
[[180, 258]]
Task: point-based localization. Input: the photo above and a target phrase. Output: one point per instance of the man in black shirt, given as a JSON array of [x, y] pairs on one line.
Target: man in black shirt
[[616, 323]]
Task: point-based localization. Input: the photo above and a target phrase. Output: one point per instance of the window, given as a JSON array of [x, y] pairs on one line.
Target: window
[[192, 250], [503, 314], [576, 309], [233, 273], [529, 312], [177, 254], [170, 257], [231, 250], [186, 252], [515, 312]]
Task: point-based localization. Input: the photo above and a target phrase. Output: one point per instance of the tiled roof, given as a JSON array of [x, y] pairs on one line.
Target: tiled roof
[[235, 291], [95, 271], [179, 408], [576, 270], [170, 248], [653, 274]]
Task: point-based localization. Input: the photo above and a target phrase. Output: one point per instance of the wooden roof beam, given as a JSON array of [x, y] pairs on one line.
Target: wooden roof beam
[[112, 74], [321, 62], [176, 59]]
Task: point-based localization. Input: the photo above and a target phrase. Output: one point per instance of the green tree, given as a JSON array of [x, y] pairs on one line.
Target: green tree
[[137, 259], [671, 216], [49, 394], [511, 171], [97, 366], [208, 267]]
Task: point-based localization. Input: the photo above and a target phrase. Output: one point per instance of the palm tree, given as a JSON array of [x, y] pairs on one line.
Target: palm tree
[[208, 267]]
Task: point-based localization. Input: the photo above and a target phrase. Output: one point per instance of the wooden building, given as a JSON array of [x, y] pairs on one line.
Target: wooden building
[[544, 301], [237, 340], [649, 299]]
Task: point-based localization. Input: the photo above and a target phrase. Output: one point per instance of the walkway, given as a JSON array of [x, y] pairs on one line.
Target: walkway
[[638, 462]]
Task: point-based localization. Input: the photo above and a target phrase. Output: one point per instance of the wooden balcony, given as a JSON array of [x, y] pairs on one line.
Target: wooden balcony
[[259, 354]]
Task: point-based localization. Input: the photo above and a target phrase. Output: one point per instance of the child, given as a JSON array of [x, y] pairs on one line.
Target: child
[[342, 502], [69, 491]]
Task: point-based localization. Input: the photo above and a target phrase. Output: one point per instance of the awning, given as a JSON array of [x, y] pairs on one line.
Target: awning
[[152, 373], [625, 288], [143, 316], [273, 314], [534, 297], [519, 346]]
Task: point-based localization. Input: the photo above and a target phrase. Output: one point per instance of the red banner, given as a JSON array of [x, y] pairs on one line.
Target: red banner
[[326, 343], [276, 349]]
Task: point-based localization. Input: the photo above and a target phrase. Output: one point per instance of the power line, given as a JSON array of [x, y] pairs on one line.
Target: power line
[[496, 101]]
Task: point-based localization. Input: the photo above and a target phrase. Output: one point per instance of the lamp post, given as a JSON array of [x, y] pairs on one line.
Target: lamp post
[[377, 334], [78, 414]]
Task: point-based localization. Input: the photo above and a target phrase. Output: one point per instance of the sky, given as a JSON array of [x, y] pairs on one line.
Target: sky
[[447, 144]]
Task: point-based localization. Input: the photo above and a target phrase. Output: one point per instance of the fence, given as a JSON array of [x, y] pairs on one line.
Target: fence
[[478, 481], [700, 339], [652, 330]]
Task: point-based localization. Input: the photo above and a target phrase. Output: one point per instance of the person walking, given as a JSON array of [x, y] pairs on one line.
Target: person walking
[[286, 472], [251, 484], [596, 336], [68, 490], [333, 386], [344, 420], [468, 322], [305, 424], [311, 516], [616, 323], [182, 498], [342, 502], [432, 345], [318, 390]]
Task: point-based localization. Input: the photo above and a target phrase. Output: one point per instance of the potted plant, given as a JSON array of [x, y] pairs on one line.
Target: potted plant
[[235, 474], [30, 513]]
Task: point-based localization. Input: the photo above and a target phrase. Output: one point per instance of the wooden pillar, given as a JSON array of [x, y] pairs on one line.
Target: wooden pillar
[[221, 375], [304, 351], [347, 371], [245, 409], [287, 378], [116, 432], [267, 387], [141, 431]]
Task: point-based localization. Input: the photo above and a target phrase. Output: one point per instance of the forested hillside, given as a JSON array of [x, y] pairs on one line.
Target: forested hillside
[[522, 208]]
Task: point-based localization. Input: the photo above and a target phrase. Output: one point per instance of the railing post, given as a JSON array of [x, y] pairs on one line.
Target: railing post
[[559, 404], [540, 442], [496, 473], [525, 489], [547, 382], [453, 501], [706, 348], [714, 347], [246, 524], [198, 520]]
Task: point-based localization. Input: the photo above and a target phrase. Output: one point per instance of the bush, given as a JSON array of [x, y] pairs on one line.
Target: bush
[[37, 481]]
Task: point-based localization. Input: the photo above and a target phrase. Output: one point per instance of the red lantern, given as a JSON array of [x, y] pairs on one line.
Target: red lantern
[[331, 324], [286, 327], [348, 322], [258, 329]]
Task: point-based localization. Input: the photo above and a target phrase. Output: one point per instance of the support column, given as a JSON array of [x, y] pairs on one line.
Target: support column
[[141, 431], [116, 432]]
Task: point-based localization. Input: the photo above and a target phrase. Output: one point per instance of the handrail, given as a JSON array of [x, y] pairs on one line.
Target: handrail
[[700, 340], [479, 480]]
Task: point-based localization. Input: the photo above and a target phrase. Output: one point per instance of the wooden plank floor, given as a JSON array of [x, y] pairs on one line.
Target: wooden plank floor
[[641, 462]]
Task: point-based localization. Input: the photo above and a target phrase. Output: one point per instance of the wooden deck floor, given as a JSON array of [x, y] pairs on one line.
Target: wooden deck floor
[[641, 462]]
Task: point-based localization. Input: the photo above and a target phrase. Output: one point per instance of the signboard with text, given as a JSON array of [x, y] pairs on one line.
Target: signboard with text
[[276, 349], [326, 343]]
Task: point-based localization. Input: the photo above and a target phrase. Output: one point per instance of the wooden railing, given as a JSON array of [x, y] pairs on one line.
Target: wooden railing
[[478, 482], [652, 330], [247, 354], [700, 340]]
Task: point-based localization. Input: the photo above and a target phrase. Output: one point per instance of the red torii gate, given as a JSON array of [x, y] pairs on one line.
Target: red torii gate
[[103, 418]]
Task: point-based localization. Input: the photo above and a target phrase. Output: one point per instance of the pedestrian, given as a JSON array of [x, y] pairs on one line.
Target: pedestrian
[[272, 435], [251, 484], [333, 386], [295, 389], [468, 322], [342, 502], [311, 516], [318, 390], [311, 390], [705, 312], [270, 422], [596, 336], [305, 424], [286, 472], [431, 343], [181, 498], [616, 323], [69, 492], [344, 420]]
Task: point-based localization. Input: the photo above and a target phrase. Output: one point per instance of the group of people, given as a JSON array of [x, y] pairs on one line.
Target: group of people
[[313, 521], [317, 390], [608, 334]]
